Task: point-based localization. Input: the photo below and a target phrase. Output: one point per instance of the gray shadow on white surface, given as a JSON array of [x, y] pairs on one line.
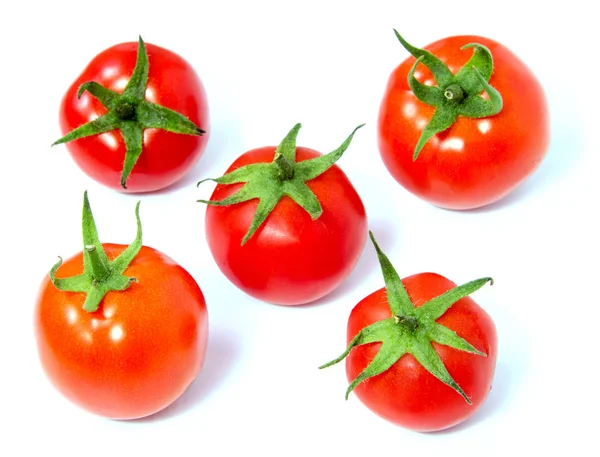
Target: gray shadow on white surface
[[511, 369], [566, 148], [221, 355], [503, 387], [224, 140], [386, 234]]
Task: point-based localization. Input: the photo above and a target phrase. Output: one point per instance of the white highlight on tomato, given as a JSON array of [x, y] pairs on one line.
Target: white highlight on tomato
[[109, 140], [150, 94], [71, 315], [484, 125], [120, 84], [108, 311], [410, 110], [109, 72], [421, 123], [453, 144], [116, 333]]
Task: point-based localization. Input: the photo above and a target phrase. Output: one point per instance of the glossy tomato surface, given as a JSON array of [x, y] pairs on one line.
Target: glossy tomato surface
[[290, 259], [407, 394], [476, 161], [138, 352], [166, 157]]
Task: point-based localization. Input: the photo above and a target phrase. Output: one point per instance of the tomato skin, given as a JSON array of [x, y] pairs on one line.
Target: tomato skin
[[290, 259], [407, 394], [476, 161], [138, 352], [166, 156]]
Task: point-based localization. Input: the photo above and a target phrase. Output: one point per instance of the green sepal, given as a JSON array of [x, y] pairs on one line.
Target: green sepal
[[482, 62], [133, 135], [442, 74], [109, 98], [442, 119], [454, 95], [100, 275], [431, 95], [398, 299], [437, 306], [110, 121], [130, 113], [411, 329], [478, 107], [270, 182], [393, 347]]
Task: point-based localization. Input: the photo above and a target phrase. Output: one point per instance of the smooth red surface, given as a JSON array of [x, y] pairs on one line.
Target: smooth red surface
[[166, 156], [138, 352], [407, 394], [476, 161], [290, 259]]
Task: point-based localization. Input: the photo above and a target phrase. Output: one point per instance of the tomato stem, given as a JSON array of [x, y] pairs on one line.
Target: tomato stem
[[125, 111], [131, 113], [454, 93], [99, 268], [100, 275], [285, 167], [407, 322], [270, 182], [411, 330]]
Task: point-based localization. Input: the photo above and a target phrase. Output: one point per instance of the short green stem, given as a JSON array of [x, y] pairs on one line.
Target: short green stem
[[407, 322], [100, 274], [285, 168], [100, 270], [283, 177], [411, 330], [454, 93], [125, 111]]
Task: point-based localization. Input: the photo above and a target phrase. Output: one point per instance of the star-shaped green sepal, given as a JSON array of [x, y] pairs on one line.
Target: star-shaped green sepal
[[100, 275], [270, 182], [454, 95], [411, 330], [131, 113]]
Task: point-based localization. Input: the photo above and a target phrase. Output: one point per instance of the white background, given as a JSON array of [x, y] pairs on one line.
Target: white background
[[266, 66]]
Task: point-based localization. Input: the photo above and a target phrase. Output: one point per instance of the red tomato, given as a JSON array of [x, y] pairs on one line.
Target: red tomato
[[166, 157], [409, 395], [291, 259], [138, 352], [476, 161]]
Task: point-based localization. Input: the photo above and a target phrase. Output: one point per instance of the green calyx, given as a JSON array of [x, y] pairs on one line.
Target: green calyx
[[270, 182], [130, 113], [100, 275], [455, 94], [411, 330]]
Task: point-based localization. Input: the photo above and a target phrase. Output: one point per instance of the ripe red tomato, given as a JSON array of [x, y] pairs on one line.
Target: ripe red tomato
[[165, 156], [138, 351], [407, 394], [291, 259], [476, 161], [420, 352]]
